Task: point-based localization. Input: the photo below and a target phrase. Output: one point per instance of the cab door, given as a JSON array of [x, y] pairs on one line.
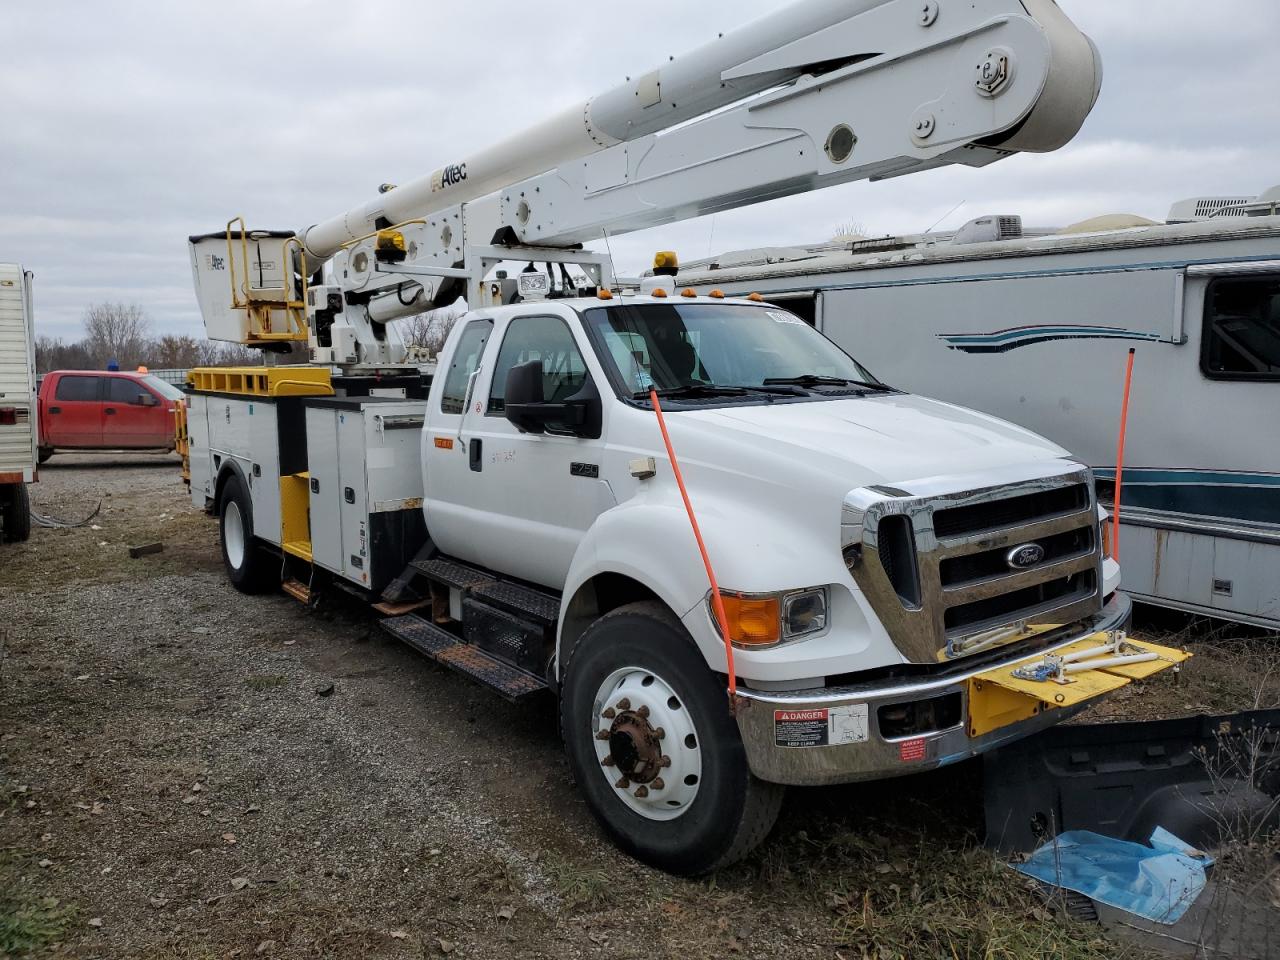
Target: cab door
[[133, 416], [538, 493], [74, 413]]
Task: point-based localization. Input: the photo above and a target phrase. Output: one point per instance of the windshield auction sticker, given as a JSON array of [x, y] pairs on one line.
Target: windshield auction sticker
[[823, 727]]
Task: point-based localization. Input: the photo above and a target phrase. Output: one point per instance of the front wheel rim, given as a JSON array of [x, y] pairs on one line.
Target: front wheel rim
[[233, 537], [646, 742]]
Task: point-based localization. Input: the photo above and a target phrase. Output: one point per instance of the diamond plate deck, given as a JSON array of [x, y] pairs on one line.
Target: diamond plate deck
[[454, 574], [445, 648], [536, 604]]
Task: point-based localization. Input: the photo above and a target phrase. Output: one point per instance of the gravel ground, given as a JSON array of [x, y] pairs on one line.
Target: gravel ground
[[188, 772]]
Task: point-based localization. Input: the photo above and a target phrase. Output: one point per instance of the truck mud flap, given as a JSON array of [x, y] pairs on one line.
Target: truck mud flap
[[1190, 776], [443, 647]]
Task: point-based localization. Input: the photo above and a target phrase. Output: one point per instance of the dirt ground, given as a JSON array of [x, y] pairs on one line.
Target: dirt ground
[[186, 772]]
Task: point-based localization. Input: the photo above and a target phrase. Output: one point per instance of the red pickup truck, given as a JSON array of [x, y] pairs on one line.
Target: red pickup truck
[[106, 410]]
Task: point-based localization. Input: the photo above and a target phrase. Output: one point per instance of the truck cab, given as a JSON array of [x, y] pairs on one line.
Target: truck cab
[[106, 410]]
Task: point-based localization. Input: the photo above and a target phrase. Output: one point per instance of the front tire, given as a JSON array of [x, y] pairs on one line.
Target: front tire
[[250, 568], [16, 514], [654, 749]]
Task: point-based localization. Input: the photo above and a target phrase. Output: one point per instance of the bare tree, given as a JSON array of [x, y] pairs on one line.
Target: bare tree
[[429, 330], [850, 230], [116, 331]]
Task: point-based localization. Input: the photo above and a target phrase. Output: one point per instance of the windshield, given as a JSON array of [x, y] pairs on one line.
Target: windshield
[[163, 387], [674, 346]]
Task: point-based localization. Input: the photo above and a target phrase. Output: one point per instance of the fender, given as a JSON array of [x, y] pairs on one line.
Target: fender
[[648, 539], [229, 467]]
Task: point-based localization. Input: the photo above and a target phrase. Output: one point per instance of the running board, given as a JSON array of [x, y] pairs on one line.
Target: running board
[[466, 658], [297, 589]]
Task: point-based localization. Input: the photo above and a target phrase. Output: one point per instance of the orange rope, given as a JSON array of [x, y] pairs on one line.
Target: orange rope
[[717, 602], [1124, 423]]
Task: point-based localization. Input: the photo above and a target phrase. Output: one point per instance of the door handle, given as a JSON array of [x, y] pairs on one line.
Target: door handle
[[110, 411], [55, 409], [474, 450]]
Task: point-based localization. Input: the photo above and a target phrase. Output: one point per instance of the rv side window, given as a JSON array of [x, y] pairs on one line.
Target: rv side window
[[1242, 329]]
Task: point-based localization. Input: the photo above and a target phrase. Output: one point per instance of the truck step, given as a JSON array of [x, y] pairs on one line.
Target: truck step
[[445, 648], [452, 573], [518, 599], [297, 589]]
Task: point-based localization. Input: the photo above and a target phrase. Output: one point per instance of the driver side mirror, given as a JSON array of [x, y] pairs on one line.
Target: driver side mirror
[[146, 400], [524, 406]]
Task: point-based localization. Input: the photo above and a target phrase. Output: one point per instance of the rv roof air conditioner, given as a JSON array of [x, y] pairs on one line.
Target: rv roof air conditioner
[[988, 229]]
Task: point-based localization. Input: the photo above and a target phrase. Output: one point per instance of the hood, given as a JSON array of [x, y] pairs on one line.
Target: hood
[[860, 440]]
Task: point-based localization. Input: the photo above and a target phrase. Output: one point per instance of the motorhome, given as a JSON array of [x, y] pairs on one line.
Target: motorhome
[[1034, 326]]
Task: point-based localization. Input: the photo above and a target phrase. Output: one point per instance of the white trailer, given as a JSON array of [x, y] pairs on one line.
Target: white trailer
[[1035, 329], [18, 420]]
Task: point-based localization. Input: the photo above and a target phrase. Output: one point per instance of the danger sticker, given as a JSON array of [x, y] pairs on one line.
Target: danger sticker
[[823, 727], [912, 751]]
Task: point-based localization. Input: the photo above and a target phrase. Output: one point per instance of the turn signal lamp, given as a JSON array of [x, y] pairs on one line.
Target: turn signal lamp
[[755, 298], [753, 621], [659, 293], [688, 292], [142, 369], [604, 294], [716, 294]]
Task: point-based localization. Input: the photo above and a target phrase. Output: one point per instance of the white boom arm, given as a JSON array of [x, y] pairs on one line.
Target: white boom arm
[[822, 92]]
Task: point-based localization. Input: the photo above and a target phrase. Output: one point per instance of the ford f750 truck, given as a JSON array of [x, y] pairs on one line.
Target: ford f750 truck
[[738, 559]]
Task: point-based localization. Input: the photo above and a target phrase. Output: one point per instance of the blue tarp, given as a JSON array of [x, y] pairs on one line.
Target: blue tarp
[[1158, 882]]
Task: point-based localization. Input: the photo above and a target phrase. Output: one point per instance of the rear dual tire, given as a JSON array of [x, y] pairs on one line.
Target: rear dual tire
[[250, 567], [704, 809]]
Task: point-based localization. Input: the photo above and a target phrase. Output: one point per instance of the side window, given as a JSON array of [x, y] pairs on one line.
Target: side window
[[465, 360], [124, 390], [539, 338], [1241, 339], [77, 388]]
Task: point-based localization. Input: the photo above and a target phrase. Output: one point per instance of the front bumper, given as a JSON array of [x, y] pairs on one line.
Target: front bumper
[[833, 735]]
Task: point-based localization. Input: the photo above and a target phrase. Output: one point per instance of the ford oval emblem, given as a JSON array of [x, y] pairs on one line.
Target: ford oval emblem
[[1024, 556]]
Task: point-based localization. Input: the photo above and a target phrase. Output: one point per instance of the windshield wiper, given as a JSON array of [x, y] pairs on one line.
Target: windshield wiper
[[720, 390], [821, 380]]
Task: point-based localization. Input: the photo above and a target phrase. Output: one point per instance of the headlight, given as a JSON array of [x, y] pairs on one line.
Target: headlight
[[804, 613], [767, 619]]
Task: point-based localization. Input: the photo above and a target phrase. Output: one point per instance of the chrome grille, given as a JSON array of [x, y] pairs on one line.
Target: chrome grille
[[936, 560]]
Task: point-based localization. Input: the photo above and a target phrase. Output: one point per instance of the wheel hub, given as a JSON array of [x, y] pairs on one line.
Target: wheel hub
[[647, 744], [635, 748]]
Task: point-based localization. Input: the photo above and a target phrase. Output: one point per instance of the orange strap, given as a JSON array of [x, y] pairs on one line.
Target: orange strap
[[717, 602], [1124, 423]]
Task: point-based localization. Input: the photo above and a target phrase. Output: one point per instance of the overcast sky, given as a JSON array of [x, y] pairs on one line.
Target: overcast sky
[[127, 126]]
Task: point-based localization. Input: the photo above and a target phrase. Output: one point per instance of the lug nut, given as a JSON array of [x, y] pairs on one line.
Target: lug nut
[[658, 783], [608, 761], [608, 713], [641, 792], [622, 783], [665, 761], [602, 734], [642, 712], [624, 704], [660, 733]]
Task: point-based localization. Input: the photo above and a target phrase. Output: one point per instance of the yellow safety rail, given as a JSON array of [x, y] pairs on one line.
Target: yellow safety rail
[[260, 304]]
